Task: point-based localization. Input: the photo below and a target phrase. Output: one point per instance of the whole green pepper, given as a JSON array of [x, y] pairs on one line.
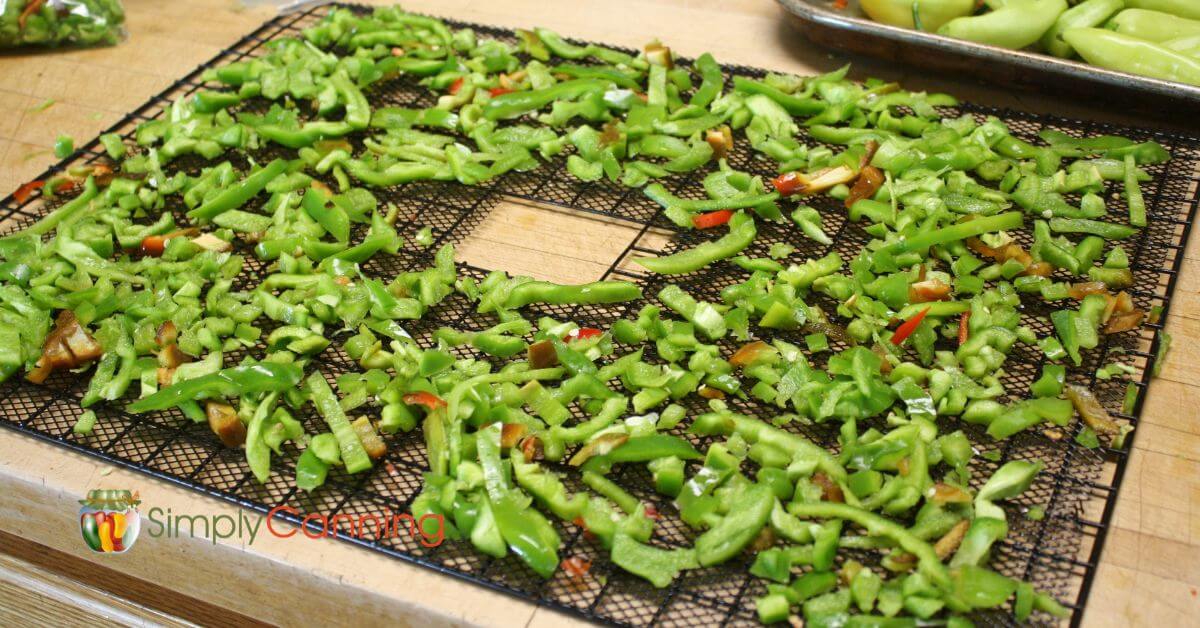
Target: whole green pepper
[[1017, 24], [1087, 14], [1123, 53], [931, 13], [1153, 26], [1181, 8]]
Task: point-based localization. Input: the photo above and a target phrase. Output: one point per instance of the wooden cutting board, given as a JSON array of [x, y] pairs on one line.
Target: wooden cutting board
[[1150, 569]]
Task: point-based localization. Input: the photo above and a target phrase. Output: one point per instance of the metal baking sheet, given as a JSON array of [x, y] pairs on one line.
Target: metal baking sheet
[[850, 30]]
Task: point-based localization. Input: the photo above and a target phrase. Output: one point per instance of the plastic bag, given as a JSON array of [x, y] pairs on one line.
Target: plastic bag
[[60, 22]]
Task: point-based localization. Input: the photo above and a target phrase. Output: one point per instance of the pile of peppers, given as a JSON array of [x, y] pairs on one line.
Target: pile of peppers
[[60, 22], [1155, 38], [138, 270]]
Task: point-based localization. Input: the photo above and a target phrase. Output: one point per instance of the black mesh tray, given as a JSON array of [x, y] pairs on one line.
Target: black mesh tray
[[1078, 489]]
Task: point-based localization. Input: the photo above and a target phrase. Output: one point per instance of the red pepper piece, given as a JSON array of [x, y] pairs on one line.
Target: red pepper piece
[[908, 327], [153, 246], [749, 353], [963, 330], [529, 448], [25, 191], [788, 183], [651, 511], [576, 567], [456, 85], [712, 219], [423, 398], [583, 333], [500, 91]]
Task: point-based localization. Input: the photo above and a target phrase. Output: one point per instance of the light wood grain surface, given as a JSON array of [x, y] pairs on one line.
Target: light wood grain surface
[[1150, 568]]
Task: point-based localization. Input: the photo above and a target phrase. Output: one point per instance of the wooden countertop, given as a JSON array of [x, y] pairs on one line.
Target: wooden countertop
[[1150, 568]]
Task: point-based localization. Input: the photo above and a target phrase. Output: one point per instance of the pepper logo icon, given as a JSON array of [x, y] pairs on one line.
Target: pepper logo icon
[[109, 520]]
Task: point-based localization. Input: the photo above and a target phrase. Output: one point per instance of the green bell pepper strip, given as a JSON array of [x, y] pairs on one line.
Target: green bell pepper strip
[[1017, 24], [85, 423], [208, 101], [514, 104], [747, 516], [400, 118], [1123, 53], [1105, 230], [610, 74], [1133, 194], [230, 382], [238, 195], [329, 215], [354, 456], [704, 316], [560, 294], [659, 194], [643, 449], [796, 105], [983, 533], [358, 111], [657, 566], [741, 234], [667, 474], [809, 221], [310, 471], [755, 431], [982, 588], [712, 80], [1050, 384], [612, 491], [928, 563], [527, 533], [772, 608], [395, 174], [1008, 481], [306, 135], [48, 222], [1111, 146], [959, 231], [1029, 413], [559, 46], [258, 455]]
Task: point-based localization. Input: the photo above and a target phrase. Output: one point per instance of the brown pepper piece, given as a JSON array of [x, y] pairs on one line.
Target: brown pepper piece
[[224, 422], [67, 346], [542, 355]]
